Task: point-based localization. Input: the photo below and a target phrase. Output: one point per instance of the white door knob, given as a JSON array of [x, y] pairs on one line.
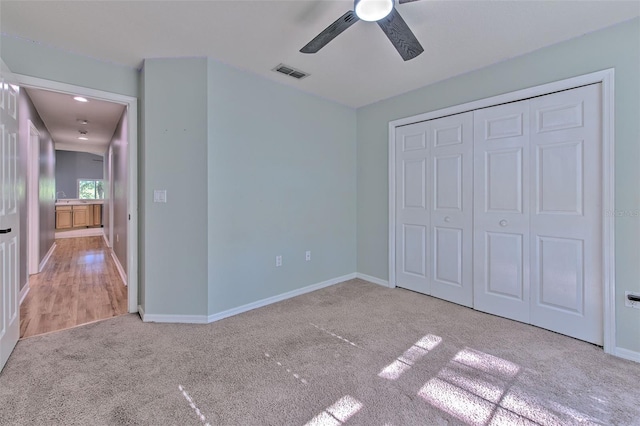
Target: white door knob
[[503, 223]]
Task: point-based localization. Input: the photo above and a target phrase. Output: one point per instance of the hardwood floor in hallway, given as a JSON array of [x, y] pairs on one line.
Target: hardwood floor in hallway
[[79, 284]]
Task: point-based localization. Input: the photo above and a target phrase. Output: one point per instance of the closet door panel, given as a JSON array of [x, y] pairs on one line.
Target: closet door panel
[[566, 219], [501, 211], [412, 214], [451, 208]]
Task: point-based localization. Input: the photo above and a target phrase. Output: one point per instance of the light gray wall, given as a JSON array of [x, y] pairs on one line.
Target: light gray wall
[[281, 175], [43, 61], [119, 183], [174, 147], [46, 182], [71, 166], [617, 47]]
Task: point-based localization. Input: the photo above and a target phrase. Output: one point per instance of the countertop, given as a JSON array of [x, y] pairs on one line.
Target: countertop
[[77, 202]]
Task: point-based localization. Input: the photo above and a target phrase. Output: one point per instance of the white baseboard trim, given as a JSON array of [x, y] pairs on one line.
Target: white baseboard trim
[[24, 292], [87, 232], [627, 354], [279, 298], [175, 319], [106, 240], [203, 319], [371, 279], [46, 257], [123, 275]]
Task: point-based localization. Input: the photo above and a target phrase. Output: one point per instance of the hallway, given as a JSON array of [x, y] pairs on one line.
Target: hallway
[[78, 285]]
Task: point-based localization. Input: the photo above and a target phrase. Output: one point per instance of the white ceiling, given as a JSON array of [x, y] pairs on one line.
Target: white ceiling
[[357, 68], [62, 114]]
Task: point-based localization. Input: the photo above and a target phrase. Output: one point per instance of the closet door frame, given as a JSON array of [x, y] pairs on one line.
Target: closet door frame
[[606, 79]]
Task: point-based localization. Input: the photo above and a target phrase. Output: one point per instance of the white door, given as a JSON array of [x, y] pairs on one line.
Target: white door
[[412, 213], [9, 250], [434, 196], [451, 209], [566, 213], [501, 210]]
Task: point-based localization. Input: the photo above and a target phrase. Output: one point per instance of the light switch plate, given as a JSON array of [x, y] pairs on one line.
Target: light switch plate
[[159, 195]]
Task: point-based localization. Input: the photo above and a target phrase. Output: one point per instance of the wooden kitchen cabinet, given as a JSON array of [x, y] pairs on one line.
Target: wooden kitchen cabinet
[[64, 217], [80, 216], [97, 215]]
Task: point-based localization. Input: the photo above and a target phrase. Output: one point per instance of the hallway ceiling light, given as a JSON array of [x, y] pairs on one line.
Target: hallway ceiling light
[[83, 135], [83, 122], [80, 99]]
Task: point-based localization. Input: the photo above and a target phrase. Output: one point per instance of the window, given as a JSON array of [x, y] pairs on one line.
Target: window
[[90, 189]]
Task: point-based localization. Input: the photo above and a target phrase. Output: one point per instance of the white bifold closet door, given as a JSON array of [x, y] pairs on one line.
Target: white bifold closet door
[[537, 212], [501, 210], [434, 218]]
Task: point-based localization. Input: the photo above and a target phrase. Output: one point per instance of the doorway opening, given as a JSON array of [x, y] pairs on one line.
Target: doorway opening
[[94, 230]]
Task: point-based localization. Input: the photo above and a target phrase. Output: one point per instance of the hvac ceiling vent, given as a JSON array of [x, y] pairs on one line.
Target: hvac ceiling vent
[[290, 71]]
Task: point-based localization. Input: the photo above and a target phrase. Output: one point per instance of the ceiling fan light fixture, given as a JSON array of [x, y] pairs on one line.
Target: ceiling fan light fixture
[[372, 10]]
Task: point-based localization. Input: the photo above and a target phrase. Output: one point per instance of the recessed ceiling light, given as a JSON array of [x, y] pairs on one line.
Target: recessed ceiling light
[[80, 99], [83, 122], [83, 138]]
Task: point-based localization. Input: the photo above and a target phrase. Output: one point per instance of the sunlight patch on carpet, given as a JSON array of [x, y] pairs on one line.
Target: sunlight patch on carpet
[[338, 413], [192, 404], [487, 363], [472, 387], [461, 404], [404, 362], [479, 389]]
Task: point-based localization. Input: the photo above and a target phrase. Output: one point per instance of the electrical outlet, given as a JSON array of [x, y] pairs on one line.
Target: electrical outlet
[[307, 255], [278, 260], [631, 303]]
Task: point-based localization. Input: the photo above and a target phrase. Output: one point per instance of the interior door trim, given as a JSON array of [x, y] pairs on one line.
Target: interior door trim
[[131, 104], [606, 78]]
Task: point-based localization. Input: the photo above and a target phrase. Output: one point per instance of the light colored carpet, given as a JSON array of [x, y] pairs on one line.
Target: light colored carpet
[[355, 353]]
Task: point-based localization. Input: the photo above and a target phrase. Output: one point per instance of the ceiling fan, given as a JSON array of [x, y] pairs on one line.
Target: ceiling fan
[[385, 14]]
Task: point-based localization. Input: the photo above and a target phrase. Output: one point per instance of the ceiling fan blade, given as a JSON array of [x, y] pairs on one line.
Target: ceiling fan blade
[[400, 35], [331, 32]]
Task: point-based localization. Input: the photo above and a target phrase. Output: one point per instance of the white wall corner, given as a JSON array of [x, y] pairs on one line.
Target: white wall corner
[[46, 257], [24, 292], [627, 354], [278, 298], [373, 280]]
